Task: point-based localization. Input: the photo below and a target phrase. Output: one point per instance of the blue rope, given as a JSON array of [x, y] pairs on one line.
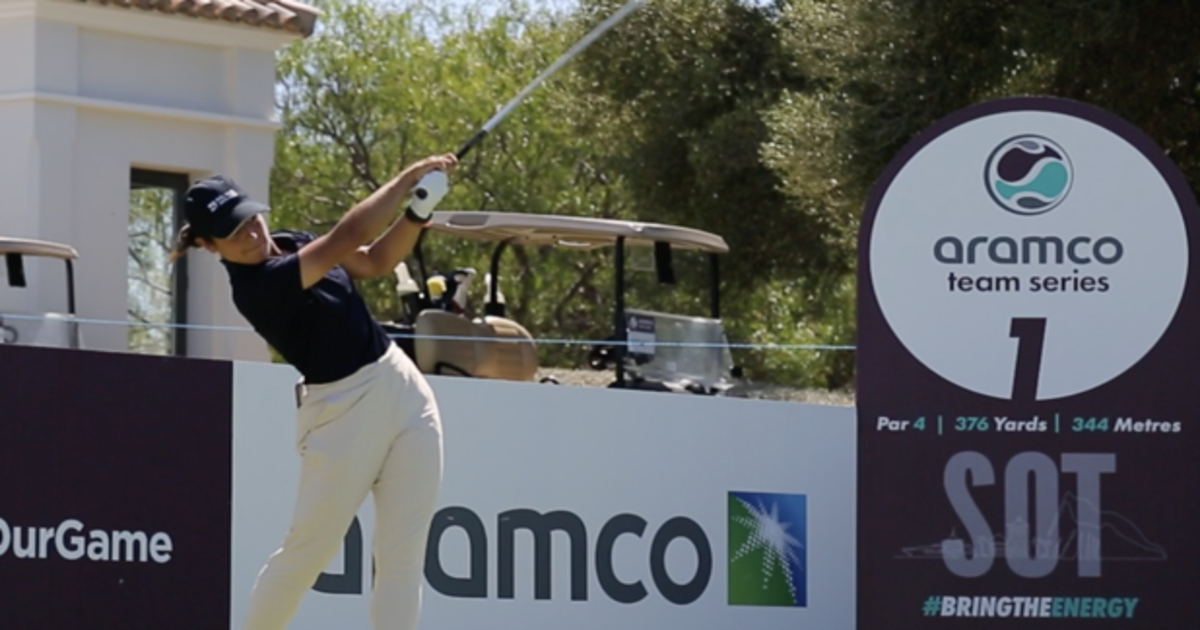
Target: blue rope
[[538, 341]]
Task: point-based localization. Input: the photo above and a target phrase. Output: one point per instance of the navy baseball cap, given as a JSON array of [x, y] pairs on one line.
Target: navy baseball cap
[[216, 206]]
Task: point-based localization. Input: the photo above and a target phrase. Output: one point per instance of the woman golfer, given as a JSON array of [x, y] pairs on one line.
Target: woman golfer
[[368, 420]]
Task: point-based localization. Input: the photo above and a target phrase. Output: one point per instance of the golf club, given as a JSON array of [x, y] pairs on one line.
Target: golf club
[[433, 186]]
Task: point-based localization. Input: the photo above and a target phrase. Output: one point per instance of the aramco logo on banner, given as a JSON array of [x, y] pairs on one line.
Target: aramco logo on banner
[[767, 559], [1029, 174], [767, 549]]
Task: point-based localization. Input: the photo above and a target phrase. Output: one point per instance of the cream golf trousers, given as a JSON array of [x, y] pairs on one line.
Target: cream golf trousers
[[378, 430]]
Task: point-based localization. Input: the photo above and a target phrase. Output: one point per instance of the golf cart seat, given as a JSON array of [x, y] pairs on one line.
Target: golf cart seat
[[489, 347]]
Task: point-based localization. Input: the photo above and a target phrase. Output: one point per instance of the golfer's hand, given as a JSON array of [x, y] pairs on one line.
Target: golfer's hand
[[447, 162]]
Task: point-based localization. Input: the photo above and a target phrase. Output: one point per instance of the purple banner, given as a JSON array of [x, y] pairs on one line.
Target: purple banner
[[1027, 358], [114, 491]]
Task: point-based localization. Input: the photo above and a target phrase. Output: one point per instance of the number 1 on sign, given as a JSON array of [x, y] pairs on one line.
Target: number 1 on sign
[[1030, 333]]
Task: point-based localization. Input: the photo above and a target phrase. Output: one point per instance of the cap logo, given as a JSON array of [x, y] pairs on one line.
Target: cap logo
[[221, 199]]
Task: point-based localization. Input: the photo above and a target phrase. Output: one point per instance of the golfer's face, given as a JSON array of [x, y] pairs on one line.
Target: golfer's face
[[249, 244]]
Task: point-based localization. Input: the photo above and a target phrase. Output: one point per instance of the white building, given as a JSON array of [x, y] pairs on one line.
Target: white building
[[98, 98]]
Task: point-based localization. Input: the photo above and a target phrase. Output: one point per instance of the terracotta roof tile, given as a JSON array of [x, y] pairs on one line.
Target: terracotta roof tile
[[284, 15]]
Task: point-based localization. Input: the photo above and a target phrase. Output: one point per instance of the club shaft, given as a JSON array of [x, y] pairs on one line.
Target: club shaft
[[571, 53]]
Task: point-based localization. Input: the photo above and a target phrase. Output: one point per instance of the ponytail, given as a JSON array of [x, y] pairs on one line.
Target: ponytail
[[184, 242]]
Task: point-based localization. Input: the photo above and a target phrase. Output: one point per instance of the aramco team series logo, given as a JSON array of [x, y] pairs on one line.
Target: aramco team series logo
[[767, 541], [1028, 175]]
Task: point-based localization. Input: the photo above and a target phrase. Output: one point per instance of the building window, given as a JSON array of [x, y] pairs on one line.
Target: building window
[[157, 289]]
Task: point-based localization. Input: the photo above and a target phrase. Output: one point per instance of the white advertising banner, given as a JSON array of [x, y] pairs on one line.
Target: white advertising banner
[[567, 507]]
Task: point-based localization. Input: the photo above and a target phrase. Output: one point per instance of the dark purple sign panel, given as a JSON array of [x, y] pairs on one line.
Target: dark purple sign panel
[[114, 491], [1028, 347]]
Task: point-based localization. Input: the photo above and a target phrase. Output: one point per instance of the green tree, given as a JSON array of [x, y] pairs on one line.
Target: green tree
[[881, 71], [887, 70], [688, 86]]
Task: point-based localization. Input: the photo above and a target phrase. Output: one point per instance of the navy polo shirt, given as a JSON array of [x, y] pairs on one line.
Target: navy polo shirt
[[325, 331]]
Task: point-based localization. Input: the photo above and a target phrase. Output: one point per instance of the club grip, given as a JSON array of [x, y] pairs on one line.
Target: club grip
[[470, 144]]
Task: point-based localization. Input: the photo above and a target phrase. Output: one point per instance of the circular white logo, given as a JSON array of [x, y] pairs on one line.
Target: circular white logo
[[1028, 303], [1028, 175]]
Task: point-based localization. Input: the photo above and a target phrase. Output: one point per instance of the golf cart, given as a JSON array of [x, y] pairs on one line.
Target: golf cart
[[648, 350], [58, 330]]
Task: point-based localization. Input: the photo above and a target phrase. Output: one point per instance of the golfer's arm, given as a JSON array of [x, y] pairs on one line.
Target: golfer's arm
[[361, 224], [382, 256]]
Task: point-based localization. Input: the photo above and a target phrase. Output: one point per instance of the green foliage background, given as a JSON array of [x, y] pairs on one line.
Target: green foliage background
[[766, 122]]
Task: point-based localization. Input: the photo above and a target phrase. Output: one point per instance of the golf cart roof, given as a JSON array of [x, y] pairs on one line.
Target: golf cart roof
[[31, 247], [569, 231]]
